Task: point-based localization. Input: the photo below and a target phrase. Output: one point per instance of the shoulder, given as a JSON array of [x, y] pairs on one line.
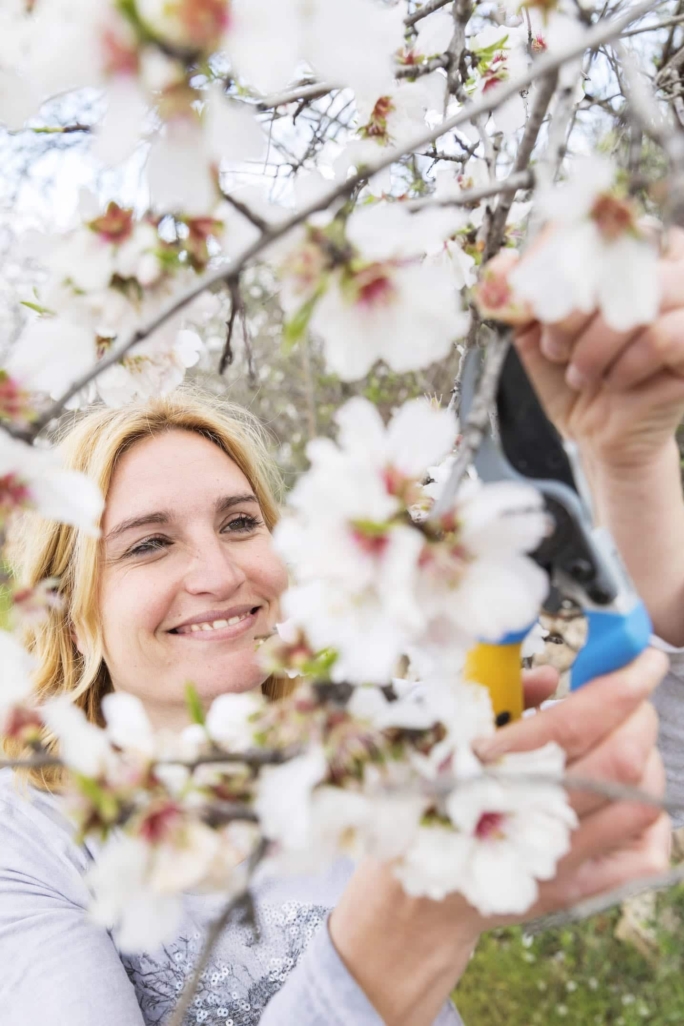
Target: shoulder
[[37, 839]]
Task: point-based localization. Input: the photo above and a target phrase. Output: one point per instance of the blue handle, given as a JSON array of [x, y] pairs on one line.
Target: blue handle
[[613, 640]]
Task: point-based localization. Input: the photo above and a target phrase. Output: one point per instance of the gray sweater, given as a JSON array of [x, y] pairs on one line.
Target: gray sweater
[[57, 968]]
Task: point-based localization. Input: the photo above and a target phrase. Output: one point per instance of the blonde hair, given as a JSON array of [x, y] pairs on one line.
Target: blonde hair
[[40, 548]]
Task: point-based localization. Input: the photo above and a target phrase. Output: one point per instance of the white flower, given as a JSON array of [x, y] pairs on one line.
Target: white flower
[[182, 861], [34, 477], [389, 231], [433, 865], [51, 353], [396, 112], [83, 746], [506, 836], [516, 831], [405, 314], [324, 33], [229, 723], [16, 668], [123, 901], [434, 35], [355, 570], [153, 367], [127, 723], [483, 583], [283, 802], [594, 257]]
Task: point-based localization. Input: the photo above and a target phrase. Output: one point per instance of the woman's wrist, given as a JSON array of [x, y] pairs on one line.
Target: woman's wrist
[[641, 503], [407, 954]]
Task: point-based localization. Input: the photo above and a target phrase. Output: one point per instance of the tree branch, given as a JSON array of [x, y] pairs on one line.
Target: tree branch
[[475, 427], [542, 99], [512, 184], [604, 902], [422, 12]]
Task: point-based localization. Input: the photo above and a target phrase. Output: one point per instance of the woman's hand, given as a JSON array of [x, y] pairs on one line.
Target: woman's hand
[[408, 953], [620, 397]]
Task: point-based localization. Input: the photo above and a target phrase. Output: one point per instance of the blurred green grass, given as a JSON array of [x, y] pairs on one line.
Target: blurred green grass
[[578, 976]]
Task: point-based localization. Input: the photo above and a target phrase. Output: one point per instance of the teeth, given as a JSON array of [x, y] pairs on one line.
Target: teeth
[[216, 625]]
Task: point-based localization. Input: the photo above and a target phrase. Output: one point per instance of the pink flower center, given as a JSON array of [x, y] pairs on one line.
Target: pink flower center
[[613, 216], [371, 544], [14, 493], [115, 225], [158, 822], [376, 126], [374, 286], [204, 21], [490, 826], [494, 292], [538, 44], [119, 56]]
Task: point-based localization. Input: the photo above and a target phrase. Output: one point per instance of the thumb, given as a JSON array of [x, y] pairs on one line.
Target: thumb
[[547, 378]]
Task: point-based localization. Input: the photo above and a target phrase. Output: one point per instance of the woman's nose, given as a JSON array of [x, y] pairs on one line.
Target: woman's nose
[[213, 569]]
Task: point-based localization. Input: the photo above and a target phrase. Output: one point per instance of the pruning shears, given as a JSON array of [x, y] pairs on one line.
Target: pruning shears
[[581, 559]]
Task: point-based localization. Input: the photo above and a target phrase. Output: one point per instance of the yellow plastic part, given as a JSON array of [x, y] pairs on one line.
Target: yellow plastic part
[[498, 667]]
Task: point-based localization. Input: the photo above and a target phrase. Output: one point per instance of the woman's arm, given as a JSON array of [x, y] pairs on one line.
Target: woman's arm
[[58, 968]]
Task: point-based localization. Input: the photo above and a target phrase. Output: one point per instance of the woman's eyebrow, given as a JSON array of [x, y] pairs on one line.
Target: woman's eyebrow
[[164, 517]]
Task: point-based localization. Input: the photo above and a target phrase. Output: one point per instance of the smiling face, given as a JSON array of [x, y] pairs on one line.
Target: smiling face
[[190, 579]]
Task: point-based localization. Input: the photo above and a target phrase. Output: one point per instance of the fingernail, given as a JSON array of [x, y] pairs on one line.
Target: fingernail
[[553, 349], [575, 379]]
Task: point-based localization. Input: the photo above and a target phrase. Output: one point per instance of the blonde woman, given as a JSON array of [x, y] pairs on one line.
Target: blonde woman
[[191, 498]]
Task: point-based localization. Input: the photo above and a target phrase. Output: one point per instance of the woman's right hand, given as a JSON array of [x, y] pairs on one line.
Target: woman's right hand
[[407, 954]]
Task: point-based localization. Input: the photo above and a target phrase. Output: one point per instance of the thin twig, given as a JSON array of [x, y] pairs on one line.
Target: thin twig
[[422, 12], [653, 28], [215, 931], [604, 902], [256, 219], [469, 197]]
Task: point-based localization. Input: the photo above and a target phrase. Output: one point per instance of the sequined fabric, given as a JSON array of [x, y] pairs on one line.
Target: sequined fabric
[[244, 973]]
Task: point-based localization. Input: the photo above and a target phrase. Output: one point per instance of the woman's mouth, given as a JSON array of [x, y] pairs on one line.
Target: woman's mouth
[[218, 629]]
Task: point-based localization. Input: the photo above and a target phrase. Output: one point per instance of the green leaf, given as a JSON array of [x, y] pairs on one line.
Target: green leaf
[[35, 306], [192, 700], [296, 327]]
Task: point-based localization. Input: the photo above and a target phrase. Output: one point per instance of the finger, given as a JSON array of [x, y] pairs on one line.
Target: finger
[[620, 759], [583, 720], [648, 856], [539, 684], [597, 348], [658, 347], [548, 378], [558, 340]]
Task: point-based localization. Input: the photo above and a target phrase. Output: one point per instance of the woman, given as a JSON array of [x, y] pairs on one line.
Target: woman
[[181, 584]]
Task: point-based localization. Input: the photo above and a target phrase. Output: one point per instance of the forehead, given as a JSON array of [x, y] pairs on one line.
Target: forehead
[[176, 471]]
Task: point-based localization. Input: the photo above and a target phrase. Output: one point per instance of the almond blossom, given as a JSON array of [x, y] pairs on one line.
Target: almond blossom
[[502, 838], [32, 478], [376, 303], [597, 256]]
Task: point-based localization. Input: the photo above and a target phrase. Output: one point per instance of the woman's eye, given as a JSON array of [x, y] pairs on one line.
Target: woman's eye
[[243, 524], [147, 546]]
